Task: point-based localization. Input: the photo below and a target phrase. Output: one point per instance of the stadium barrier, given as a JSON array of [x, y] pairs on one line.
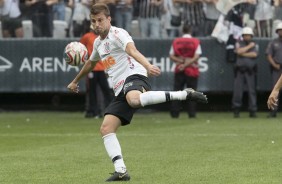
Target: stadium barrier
[[36, 65]]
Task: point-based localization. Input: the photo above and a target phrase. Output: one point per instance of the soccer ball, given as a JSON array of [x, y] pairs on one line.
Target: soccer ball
[[75, 54]]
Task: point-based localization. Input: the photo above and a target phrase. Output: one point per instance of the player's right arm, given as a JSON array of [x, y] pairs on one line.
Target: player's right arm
[[273, 97], [87, 67]]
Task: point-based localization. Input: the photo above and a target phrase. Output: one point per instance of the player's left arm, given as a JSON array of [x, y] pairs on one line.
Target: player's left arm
[[87, 67], [132, 51]]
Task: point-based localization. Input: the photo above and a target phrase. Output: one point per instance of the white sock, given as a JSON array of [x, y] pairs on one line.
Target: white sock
[[156, 97], [114, 151]]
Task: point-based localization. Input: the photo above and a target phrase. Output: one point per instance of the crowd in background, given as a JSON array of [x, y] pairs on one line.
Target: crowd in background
[[152, 18]]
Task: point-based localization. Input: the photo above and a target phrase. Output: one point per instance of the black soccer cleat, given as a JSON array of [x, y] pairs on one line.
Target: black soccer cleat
[[116, 176], [196, 96]]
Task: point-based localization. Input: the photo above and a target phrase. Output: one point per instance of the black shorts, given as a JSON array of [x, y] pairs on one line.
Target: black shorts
[[11, 24], [119, 106]]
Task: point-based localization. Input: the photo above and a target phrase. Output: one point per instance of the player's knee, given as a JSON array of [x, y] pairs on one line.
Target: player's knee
[[134, 102], [105, 129], [133, 98]]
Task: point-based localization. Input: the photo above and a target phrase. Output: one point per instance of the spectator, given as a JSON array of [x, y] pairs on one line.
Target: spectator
[[274, 57], [249, 13], [185, 52], [149, 18], [263, 18], [211, 16], [277, 10], [277, 15], [112, 6], [10, 15], [171, 9], [59, 10], [193, 15], [40, 12], [123, 14], [80, 19], [245, 71], [234, 17], [96, 78]]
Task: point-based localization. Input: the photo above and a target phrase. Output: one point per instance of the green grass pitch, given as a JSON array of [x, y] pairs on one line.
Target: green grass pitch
[[214, 148]]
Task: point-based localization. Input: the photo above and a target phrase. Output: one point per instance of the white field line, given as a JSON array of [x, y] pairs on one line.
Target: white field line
[[122, 135]]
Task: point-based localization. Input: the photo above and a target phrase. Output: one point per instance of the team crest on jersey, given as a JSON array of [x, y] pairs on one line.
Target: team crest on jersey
[[126, 86], [107, 47]]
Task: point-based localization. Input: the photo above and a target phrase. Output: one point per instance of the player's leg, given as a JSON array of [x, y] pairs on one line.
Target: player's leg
[[138, 95], [117, 114], [108, 131]]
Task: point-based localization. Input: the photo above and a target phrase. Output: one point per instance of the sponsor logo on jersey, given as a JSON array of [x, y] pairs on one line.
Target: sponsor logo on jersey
[[117, 85], [126, 86], [108, 62]]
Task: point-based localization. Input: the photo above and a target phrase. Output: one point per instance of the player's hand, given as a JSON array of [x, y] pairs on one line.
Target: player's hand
[[272, 100], [73, 87], [153, 70]]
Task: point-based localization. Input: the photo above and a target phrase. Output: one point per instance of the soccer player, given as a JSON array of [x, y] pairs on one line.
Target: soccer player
[[128, 70]]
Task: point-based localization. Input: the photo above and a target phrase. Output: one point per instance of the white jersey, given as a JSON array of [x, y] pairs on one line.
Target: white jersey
[[118, 64]]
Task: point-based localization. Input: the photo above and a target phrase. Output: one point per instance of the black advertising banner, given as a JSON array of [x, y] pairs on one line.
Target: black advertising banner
[[37, 66]]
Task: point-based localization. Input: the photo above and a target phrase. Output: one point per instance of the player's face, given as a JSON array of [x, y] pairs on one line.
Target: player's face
[[101, 24]]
